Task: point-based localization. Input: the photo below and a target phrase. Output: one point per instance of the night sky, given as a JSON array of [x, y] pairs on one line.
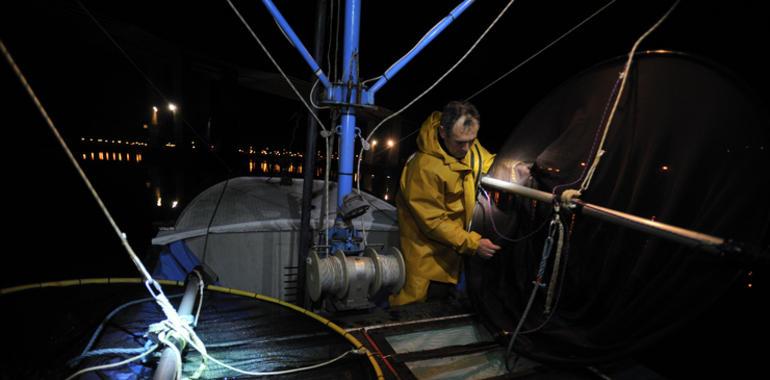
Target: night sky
[[89, 87]]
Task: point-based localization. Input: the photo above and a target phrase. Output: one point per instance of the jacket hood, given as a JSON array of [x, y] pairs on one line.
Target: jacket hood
[[428, 143]]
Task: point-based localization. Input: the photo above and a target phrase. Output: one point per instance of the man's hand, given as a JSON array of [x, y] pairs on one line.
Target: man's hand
[[486, 248]]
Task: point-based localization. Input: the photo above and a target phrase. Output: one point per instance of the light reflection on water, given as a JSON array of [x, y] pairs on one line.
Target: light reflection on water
[[172, 187], [112, 156]]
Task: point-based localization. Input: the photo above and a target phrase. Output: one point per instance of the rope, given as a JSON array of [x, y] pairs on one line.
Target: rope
[[390, 270], [310, 97], [556, 226], [121, 235], [624, 77], [113, 365], [152, 286], [177, 355], [174, 321], [561, 284], [522, 63], [282, 372], [108, 352], [518, 328], [109, 316], [331, 274], [90, 281]]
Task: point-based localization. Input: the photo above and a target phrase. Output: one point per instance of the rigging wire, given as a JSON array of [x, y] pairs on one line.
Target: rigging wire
[[211, 221], [121, 235], [329, 29], [337, 41], [150, 82], [277, 66], [497, 232], [467, 53], [326, 133], [555, 229], [522, 63], [584, 185]]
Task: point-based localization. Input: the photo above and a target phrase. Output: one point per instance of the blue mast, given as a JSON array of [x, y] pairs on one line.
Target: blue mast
[[349, 81], [349, 93]]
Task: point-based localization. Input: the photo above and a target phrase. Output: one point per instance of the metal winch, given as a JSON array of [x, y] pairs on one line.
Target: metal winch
[[350, 281]]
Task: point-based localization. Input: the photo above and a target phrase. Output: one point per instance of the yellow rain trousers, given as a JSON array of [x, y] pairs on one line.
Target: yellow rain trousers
[[435, 207]]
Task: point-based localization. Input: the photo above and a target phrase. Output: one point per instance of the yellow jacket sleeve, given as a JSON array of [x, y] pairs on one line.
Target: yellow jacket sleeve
[[424, 196]]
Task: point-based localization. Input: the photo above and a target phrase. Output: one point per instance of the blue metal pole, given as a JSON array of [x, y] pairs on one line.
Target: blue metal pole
[[396, 67], [350, 81], [298, 44]]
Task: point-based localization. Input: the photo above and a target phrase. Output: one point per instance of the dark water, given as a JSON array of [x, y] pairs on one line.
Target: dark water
[[65, 235]]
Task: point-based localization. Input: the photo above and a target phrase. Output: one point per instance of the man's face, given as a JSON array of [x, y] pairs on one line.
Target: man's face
[[462, 134]]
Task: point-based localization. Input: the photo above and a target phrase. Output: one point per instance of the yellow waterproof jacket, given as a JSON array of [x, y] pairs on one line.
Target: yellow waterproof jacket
[[435, 207]]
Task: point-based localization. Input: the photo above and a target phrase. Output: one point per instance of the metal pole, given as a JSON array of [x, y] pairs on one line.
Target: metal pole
[[435, 31], [350, 80], [680, 235], [286, 28], [167, 365], [305, 236]]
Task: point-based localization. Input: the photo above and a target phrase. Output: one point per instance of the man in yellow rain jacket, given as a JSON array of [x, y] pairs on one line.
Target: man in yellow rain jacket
[[436, 201]]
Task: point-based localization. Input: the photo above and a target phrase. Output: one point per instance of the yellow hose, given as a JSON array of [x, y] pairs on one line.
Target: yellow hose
[[120, 280]]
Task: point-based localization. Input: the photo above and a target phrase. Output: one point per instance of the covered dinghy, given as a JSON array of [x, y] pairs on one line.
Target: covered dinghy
[[253, 229]]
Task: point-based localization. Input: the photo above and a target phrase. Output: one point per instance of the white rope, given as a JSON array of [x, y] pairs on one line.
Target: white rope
[[277, 66], [113, 365], [177, 355], [282, 372], [184, 332], [109, 316], [624, 77], [121, 235], [467, 53], [310, 97], [538, 52]]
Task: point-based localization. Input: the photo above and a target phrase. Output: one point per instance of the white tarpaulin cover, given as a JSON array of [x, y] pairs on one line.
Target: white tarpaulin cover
[[254, 233]]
